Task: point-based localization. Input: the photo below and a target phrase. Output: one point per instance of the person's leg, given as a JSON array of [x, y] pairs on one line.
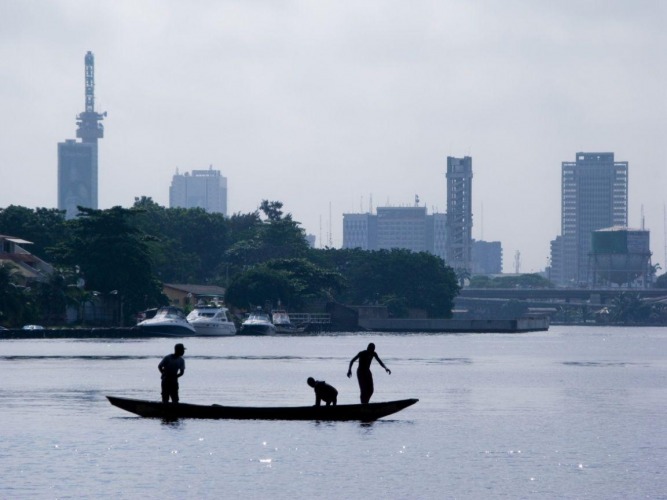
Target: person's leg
[[365, 386], [174, 392], [165, 391]]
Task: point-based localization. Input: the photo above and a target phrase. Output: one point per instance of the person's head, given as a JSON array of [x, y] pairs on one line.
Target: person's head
[[179, 349], [311, 381], [371, 347]]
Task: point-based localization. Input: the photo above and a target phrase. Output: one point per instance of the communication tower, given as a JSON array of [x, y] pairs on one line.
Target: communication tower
[[89, 127]]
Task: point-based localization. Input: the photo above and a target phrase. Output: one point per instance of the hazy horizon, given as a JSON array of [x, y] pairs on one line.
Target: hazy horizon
[[325, 105]]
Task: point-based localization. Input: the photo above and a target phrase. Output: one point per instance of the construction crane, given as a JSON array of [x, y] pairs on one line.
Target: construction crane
[[89, 127]]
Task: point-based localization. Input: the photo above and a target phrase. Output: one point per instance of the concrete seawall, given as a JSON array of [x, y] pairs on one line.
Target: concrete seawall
[[524, 324]]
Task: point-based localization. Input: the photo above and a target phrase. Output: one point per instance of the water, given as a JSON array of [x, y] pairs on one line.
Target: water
[[569, 413]]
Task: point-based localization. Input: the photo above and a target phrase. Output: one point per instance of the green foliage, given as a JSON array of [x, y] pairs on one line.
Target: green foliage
[[258, 286], [628, 308], [44, 227], [16, 307], [661, 281], [288, 281], [112, 255], [262, 256], [399, 277]]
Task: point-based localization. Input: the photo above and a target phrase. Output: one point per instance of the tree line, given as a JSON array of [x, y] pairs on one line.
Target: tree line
[[259, 257]]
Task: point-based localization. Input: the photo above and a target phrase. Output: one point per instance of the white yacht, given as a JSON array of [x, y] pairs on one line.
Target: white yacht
[[168, 321], [212, 320], [283, 324], [258, 323]]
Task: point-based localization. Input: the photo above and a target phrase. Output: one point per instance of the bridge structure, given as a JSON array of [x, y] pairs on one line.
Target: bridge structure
[[592, 296], [574, 305]]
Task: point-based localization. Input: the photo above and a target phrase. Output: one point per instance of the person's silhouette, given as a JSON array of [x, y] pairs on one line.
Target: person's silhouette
[[172, 367], [323, 392], [364, 375]]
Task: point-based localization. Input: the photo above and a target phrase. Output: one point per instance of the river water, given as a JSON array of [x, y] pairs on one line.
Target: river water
[[575, 412]]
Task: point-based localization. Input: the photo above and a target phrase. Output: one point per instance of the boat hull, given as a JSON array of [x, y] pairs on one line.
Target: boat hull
[[172, 411], [214, 329], [167, 330], [257, 329]]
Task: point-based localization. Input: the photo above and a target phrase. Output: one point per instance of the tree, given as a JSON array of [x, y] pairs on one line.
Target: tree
[[401, 278], [661, 281], [112, 256], [278, 237], [43, 227], [288, 281], [15, 305], [257, 286]]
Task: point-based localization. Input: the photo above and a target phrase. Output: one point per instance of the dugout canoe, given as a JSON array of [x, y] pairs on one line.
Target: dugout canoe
[[171, 411]]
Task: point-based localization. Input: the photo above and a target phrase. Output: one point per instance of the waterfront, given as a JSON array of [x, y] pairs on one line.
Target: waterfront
[[575, 412]]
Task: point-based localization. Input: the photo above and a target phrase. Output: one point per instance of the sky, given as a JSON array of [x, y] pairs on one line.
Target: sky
[[337, 106]]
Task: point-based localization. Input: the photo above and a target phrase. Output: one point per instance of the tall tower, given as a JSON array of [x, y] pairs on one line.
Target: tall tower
[[90, 129], [594, 195], [77, 161], [459, 213]]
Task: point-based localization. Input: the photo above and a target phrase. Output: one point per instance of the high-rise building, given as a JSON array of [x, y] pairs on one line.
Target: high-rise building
[[409, 228], [487, 257], [205, 189], [459, 213], [77, 161], [594, 196]]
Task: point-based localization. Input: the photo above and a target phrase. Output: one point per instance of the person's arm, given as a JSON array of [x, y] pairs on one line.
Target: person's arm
[[349, 370], [160, 366], [381, 363], [318, 399], [181, 369]]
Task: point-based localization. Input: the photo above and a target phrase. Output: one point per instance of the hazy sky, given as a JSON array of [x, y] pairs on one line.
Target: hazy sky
[[324, 105]]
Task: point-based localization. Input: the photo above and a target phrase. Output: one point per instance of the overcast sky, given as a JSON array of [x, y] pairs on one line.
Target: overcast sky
[[324, 105]]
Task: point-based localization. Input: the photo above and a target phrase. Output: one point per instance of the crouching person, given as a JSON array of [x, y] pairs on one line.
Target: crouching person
[[323, 392]]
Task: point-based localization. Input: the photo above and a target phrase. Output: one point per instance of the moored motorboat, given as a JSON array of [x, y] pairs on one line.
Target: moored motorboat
[[211, 320], [258, 323], [168, 321], [283, 324], [171, 411]]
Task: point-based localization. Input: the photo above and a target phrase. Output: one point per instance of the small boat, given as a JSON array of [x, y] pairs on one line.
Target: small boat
[[258, 323], [283, 324], [173, 411], [168, 321], [211, 320]]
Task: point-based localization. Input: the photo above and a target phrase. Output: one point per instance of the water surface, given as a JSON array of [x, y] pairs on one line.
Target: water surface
[[569, 413]]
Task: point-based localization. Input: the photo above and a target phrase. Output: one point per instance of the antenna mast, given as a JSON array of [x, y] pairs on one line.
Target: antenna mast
[[90, 129]]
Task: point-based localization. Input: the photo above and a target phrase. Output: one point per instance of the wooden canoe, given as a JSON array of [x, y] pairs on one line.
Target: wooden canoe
[[171, 411]]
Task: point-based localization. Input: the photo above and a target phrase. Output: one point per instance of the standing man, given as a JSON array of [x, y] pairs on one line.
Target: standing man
[[172, 367], [364, 375]]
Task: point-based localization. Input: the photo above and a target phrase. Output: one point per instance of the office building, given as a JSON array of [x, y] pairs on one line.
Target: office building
[[594, 196], [459, 213], [409, 228], [487, 257], [77, 161], [205, 189]]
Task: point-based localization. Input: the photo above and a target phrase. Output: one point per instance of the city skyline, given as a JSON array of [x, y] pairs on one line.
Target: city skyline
[[326, 106]]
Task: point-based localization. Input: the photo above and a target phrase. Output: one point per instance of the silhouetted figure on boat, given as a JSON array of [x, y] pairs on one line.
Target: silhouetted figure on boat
[[172, 367], [323, 392], [364, 375]]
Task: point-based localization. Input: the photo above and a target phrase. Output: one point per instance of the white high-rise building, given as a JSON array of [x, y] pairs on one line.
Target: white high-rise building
[[594, 196], [459, 213]]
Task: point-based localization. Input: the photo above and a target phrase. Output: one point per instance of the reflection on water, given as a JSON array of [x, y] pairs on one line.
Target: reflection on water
[[569, 413]]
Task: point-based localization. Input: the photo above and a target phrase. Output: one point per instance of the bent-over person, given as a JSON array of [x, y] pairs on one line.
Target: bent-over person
[[323, 392]]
